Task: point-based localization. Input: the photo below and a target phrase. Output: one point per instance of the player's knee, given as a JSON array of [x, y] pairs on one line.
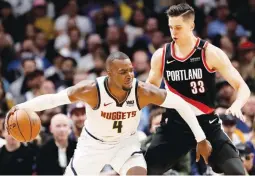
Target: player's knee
[[137, 170], [233, 166]]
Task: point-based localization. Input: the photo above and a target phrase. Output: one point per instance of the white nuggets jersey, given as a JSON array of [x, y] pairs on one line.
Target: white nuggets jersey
[[113, 120]]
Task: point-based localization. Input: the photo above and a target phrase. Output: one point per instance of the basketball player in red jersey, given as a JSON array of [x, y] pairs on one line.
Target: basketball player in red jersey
[[187, 66]]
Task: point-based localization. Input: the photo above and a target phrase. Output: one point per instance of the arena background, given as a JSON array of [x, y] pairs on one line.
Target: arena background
[[48, 45]]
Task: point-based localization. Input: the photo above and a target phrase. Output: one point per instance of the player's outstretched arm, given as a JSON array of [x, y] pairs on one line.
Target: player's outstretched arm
[[220, 62], [150, 94], [155, 75], [83, 91]]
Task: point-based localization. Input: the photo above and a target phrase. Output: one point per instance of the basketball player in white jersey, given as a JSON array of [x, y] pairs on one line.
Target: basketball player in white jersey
[[113, 113]]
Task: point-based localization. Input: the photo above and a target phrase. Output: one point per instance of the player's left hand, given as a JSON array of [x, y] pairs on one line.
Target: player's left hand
[[204, 148], [235, 111]]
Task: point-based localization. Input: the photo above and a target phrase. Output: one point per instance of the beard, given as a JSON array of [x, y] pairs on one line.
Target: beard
[[126, 88]]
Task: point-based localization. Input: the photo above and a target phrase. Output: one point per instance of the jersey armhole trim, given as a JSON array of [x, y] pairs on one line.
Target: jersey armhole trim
[[163, 60], [99, 97], [136, 95], [204, 59]]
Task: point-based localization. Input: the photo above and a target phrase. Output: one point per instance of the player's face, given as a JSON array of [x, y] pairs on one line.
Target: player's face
[[180, 28], [122, 74]]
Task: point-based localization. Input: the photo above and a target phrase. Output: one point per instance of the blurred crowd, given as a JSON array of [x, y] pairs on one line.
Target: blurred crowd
[[48, 45]]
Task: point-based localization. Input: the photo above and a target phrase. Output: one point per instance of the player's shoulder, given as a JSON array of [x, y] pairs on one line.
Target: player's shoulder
[[212, 49], [158, 53], [86, 85], [156, 59], [213, 53], [215, 57], [83, 90]]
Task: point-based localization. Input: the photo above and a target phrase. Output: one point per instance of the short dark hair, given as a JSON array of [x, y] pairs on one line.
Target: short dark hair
[[115, 56], [183, 9]]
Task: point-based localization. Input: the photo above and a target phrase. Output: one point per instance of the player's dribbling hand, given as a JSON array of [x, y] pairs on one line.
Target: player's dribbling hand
[[204, 148], [10, 112], [235, 111]]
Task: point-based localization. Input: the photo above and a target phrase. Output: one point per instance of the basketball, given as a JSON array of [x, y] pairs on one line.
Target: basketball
[[24, 125]]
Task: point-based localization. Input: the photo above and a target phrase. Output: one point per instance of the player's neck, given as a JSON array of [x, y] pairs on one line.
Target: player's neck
[[12, 147], [116, 91], [189, 41]]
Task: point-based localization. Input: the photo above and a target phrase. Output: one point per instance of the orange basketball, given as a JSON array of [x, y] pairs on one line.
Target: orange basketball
[[24, 125]]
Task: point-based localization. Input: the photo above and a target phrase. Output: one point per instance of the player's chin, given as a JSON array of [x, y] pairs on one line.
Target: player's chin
[[127, 88]]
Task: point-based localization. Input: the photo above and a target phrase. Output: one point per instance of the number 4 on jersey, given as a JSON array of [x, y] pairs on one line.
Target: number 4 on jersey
[[118, 125]]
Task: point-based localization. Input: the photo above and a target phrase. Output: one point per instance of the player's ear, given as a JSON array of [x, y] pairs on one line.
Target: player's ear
[[107, 69], [108, 72], [192, 26]]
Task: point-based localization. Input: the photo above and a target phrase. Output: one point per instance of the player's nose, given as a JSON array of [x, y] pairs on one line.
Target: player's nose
[[129, 76], [174, 33]]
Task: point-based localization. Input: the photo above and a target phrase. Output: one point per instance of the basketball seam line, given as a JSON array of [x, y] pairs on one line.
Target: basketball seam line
[[31, 128], [18, 126]]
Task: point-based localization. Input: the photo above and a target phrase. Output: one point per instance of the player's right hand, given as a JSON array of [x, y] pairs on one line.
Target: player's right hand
[[204, 148], [10, 112]]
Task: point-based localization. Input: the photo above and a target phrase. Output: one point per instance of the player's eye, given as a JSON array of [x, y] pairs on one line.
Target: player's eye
[[122, 72]]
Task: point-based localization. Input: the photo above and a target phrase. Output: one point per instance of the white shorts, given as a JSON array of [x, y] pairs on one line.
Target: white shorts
[[92, 155]]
